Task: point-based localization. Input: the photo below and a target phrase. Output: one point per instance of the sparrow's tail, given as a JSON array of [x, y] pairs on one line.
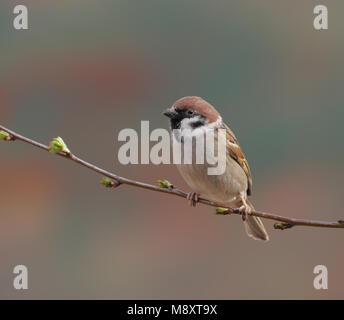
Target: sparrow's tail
[[254, 226]]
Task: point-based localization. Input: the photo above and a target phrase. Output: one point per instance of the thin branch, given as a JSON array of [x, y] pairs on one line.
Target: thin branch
[[284, 222]]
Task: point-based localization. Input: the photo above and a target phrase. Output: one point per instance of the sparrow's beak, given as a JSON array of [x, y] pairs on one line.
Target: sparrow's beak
[[171, 113]]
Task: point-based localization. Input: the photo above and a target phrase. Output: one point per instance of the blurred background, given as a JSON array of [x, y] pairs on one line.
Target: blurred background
[[87, 69]]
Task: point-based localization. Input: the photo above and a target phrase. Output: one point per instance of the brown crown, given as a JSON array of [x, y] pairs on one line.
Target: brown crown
[[200, 106]]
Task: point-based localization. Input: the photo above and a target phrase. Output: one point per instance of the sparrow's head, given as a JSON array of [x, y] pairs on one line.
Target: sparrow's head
[[192, 113]]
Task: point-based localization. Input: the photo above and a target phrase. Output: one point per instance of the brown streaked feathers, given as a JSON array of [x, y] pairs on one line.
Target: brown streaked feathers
[[236, 153]]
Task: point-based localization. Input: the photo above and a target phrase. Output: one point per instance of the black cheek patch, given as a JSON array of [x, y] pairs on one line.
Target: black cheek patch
[[197, 124]]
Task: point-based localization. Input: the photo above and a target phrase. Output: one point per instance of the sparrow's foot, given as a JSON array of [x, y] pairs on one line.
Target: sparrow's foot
[[192, 197], [245, 210]]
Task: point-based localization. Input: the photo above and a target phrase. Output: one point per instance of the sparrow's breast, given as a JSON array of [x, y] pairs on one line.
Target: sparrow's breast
[[225, 187]]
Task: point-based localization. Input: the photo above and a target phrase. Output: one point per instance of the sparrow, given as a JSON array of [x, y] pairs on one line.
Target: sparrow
[[231, 187]]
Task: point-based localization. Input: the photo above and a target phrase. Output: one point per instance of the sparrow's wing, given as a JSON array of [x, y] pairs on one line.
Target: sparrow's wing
[[234, 150]]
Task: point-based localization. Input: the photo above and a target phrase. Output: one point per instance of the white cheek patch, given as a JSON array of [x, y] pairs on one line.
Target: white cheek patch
[[185, 124]]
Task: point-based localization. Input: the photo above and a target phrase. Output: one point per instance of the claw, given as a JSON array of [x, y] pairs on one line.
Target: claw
[[245, 210], [192, 198]]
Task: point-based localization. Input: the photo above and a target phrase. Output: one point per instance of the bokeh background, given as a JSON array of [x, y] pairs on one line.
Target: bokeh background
[[87, 69]]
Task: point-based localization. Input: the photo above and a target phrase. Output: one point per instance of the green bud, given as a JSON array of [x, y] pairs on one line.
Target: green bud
[[57, 145], [106, 182], [220, 210], [165, 184], [282, 225], [4, 135]]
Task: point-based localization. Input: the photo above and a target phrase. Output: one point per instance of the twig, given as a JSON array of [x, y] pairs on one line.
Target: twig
[[284, 222]]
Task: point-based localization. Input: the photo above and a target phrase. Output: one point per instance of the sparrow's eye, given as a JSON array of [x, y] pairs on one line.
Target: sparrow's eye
[[190, 112]]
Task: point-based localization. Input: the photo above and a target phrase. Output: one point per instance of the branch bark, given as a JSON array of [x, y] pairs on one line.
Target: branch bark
[[283, 222]]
